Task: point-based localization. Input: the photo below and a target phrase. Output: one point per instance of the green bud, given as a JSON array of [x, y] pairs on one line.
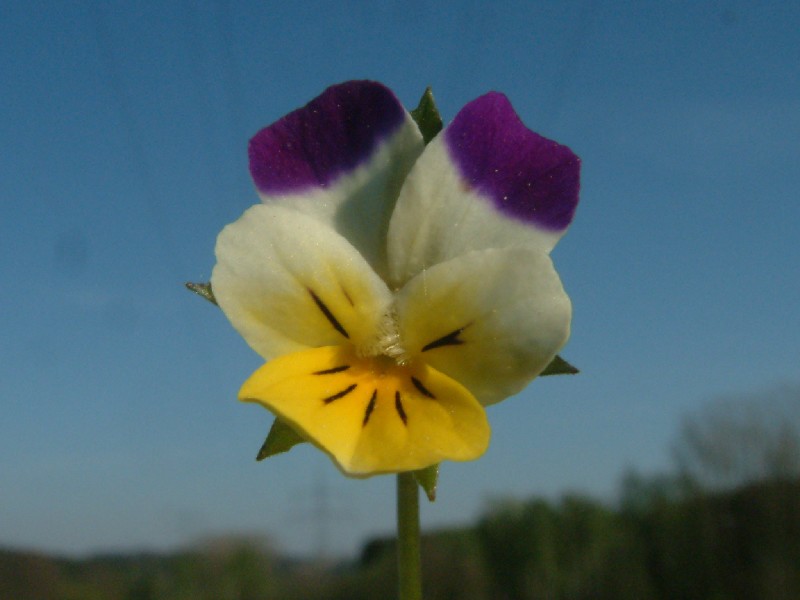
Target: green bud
[[427, 117]]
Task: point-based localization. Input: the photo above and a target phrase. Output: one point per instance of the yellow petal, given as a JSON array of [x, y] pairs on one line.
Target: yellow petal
[[370, 414]]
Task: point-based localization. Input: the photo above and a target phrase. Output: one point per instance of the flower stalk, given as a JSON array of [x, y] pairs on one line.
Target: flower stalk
[[409, 562]]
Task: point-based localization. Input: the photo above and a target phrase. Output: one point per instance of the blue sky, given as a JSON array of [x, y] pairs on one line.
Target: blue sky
[[125, 128]]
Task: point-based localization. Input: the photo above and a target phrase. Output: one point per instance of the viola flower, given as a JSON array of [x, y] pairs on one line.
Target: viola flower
[[396, 289]]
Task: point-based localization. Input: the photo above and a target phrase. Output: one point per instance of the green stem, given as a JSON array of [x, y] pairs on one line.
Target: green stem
[[408, 555]]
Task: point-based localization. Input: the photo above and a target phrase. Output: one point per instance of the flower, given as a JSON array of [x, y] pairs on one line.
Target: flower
[[396, 289]]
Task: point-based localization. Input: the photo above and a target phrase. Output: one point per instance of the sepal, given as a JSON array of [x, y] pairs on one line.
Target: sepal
[[203, 290], [558, 366], [281, 438], [428, 479], [427, 117]]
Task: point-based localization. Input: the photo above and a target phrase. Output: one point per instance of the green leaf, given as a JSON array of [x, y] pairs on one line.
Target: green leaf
[[204, 290], [428, 479], [558, 366], [281, 438], [426, 115]]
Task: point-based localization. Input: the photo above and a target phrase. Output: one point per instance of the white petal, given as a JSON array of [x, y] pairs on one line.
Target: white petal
[[486, 181], [492, 319], [341, 159], [287, 282]]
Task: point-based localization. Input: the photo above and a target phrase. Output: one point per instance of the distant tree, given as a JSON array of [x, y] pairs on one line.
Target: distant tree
[[574, 550], [144, 588], [727, 525], [514, 540], [28, 576], [739, 440], [452, 566]]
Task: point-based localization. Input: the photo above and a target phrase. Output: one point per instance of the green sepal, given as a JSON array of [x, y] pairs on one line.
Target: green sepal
[[281, 438], [428, 479], [203, 290], [427, 117], [558, 366]]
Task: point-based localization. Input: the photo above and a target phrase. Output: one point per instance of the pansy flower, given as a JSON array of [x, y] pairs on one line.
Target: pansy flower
[[394, 288]]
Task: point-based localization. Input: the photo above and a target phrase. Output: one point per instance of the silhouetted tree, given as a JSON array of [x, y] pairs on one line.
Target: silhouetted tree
[[739, 440]]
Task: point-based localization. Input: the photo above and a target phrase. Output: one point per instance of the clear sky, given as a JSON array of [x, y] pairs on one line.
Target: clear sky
[[124, 128]]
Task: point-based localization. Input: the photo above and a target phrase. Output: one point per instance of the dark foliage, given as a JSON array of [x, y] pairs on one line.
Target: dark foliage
[[664, 541]]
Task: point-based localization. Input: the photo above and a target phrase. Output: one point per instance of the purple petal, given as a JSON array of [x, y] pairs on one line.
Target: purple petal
[[525, 175], [331, 135]]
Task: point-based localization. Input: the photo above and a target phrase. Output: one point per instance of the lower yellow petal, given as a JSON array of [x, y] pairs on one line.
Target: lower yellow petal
[[370, 414]]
